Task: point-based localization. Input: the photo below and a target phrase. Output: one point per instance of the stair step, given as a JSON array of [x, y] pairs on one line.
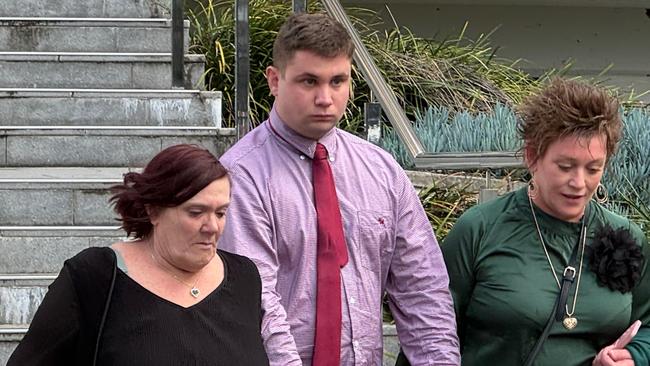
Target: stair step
[[34, 256], [109, 107], [10, 335], [96, 69], [63, 146], [98, 235], [38, 250], [85, 8], [108, 147], [20, 301], [87, 34], [11, 332], [46, 197], [80, 175]]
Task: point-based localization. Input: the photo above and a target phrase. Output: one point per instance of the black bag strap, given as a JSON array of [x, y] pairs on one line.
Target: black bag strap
[[105, 312], [567, 281], [560, 305]]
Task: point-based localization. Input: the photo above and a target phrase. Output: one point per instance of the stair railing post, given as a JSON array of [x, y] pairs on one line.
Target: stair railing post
[[178, 46], [379, 86], [242, 67], [372, 121], [299, 6]]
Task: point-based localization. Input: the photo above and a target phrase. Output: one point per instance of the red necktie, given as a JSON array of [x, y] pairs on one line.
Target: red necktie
[[332, 254]]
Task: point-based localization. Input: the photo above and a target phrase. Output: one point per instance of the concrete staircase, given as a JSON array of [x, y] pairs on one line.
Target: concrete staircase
[[85, 96]]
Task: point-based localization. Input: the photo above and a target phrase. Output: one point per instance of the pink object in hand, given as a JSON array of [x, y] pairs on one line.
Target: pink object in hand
[[627, 336], [620, 343]]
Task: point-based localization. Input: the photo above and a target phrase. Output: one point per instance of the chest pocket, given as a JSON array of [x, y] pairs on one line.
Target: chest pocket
[[375, 238]]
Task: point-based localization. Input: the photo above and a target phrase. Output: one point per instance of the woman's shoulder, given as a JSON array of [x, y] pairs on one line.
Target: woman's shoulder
[[490, 212], [238, 262], [614, 220], [90, 265], [483, 225], [91, 257]]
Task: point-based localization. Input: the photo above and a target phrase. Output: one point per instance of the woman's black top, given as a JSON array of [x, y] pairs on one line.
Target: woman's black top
[[142, 328]]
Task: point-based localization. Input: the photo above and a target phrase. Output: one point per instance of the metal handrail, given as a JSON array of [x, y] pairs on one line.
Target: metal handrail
[[178, 44], [396, 115], [376, 82], [469, 160], [242, 67]]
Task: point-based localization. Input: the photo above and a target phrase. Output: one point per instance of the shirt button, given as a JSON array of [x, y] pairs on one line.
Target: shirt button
[[353, 300], [331, 158], [303, 157], [355, 344]]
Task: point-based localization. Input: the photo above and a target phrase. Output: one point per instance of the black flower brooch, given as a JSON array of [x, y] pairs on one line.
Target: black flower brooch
[[616, 259]]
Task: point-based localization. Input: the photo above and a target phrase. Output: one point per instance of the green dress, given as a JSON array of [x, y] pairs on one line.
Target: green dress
[[504, 291]]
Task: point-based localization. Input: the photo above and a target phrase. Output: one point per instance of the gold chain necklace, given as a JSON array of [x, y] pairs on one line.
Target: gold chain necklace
[[194, 291], [569, 321]]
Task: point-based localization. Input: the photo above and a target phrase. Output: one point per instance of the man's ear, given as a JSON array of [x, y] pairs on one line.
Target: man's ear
[[273, 78]]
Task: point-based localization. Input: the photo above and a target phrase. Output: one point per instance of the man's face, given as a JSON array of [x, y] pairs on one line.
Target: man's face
[[312, 92]]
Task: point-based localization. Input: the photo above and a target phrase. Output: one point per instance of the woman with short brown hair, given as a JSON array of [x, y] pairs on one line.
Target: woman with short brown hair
[[546, 275]]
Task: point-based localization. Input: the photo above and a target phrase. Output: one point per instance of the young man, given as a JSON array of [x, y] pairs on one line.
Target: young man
[[326, 263]]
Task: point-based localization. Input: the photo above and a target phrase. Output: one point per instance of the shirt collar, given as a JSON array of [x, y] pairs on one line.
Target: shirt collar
[[301, 144]]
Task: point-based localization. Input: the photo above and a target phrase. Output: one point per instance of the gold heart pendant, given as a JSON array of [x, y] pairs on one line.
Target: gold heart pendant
[[570, 322]]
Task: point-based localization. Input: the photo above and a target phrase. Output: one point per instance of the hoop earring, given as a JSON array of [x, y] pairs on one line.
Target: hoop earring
[[532, 189], [601, 195]]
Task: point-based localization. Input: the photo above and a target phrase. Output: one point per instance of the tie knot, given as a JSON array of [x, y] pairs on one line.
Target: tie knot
[[321, 152]]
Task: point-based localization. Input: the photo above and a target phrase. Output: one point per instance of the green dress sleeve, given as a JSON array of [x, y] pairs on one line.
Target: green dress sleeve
[[459, 250], [639, 347]]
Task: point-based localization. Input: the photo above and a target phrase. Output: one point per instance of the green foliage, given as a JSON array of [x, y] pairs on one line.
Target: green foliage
[[627, 176], [628, 173], [458, 74], [441, 131], [213, 34], [639, 211], [444, 204]]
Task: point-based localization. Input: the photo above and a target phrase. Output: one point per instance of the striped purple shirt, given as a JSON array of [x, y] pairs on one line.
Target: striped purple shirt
[[390, 243]]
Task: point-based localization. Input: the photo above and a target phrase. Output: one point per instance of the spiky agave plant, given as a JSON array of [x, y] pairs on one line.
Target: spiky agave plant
[[637, 208]]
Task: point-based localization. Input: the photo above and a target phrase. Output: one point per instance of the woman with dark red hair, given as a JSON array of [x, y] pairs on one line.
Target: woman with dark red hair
[[166, 297]]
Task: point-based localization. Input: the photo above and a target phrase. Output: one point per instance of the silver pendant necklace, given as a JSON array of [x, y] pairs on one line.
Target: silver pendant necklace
[[570, 321], [194, 291]]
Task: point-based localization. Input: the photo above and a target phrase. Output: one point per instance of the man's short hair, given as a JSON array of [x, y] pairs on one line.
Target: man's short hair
[[317, 33]]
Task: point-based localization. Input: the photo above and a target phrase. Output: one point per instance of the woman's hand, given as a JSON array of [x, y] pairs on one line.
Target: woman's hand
[[610, 356], [615, 354]]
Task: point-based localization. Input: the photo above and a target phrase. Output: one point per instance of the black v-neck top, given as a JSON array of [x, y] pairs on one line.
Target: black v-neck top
[[222, 329], [142, 328]]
